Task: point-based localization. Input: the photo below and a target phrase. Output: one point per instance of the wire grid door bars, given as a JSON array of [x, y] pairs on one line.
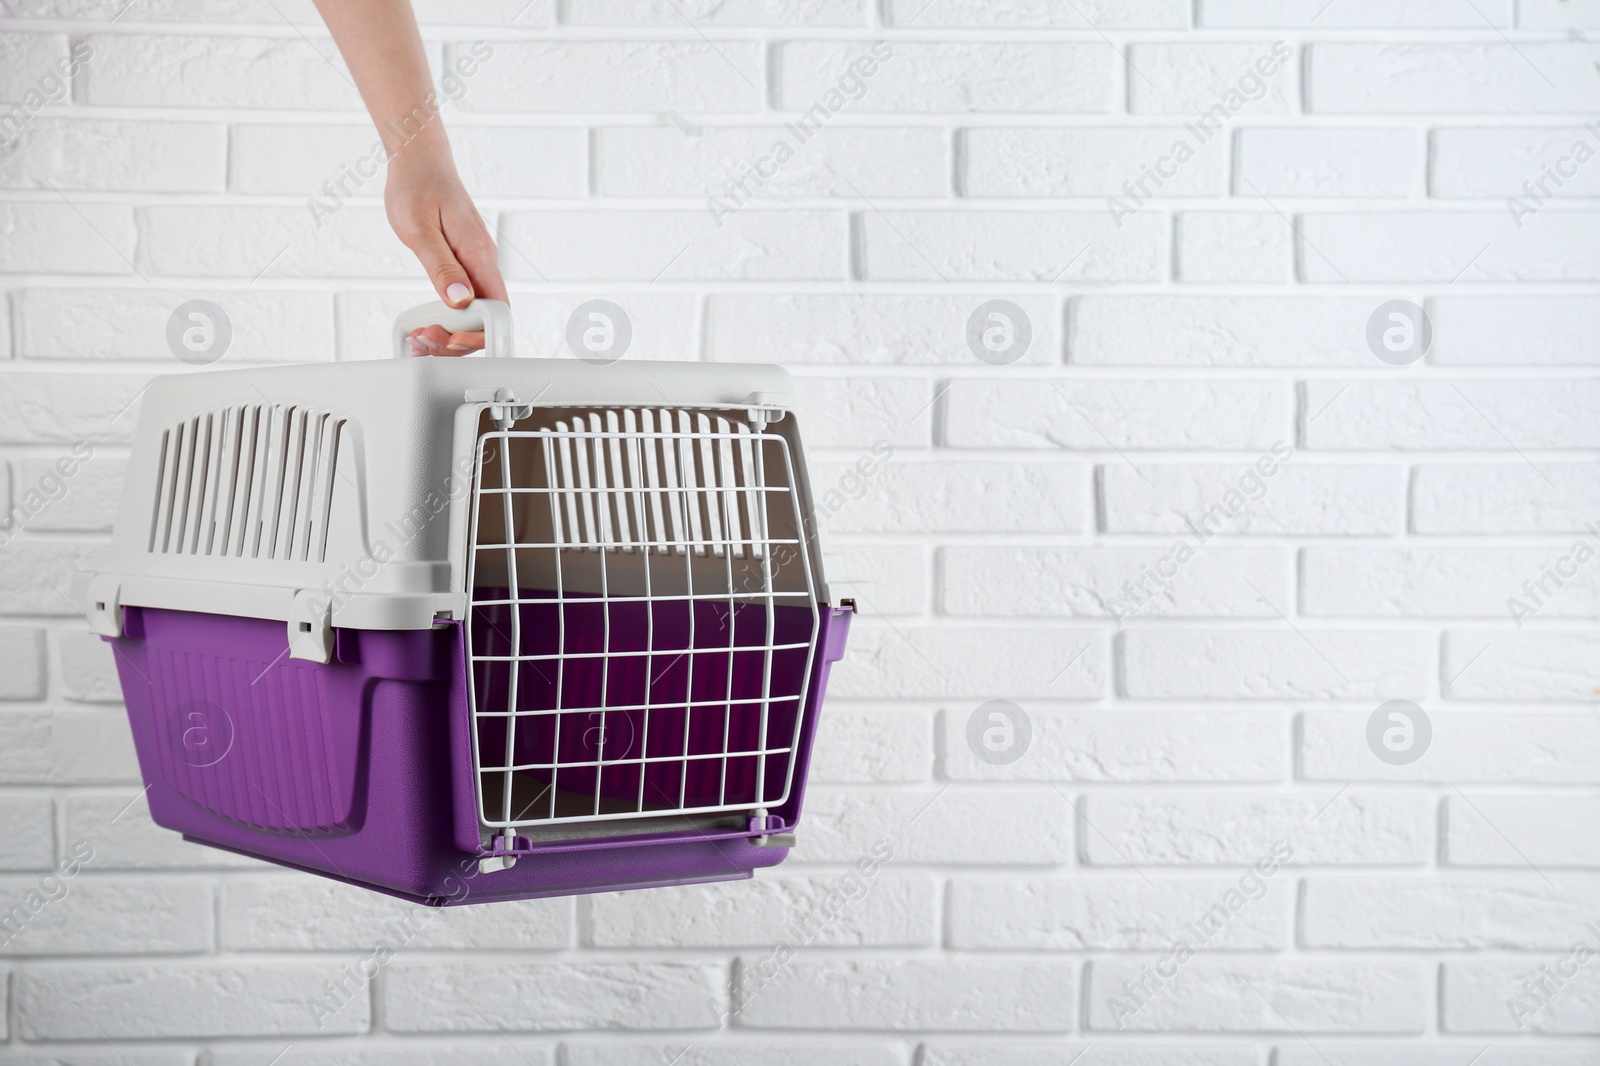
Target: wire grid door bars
[[644, 616]]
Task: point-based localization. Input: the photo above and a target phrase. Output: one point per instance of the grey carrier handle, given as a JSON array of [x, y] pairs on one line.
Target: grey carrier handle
[[491, 316]]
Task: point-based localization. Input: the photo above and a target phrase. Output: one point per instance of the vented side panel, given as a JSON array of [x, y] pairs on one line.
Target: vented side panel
[[254, 481]]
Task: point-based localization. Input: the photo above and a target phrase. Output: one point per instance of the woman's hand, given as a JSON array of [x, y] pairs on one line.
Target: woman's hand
[[433, 216], [427, 204]]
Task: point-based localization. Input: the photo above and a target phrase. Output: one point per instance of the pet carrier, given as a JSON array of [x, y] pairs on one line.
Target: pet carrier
[[465, 630]]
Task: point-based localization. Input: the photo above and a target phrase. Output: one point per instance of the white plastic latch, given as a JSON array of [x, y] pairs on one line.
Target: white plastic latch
[[767, 407], [311, 627], [506, 411], [103, 605]]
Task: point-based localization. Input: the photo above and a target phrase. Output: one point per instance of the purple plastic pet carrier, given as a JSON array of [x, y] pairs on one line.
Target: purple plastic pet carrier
[[465, 630]]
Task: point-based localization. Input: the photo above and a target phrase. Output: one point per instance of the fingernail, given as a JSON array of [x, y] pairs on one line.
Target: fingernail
[[457, 293], [458, 348], [416, 349], [431, 345]]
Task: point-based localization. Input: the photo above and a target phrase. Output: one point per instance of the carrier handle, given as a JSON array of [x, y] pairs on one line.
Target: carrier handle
[[491, 316]]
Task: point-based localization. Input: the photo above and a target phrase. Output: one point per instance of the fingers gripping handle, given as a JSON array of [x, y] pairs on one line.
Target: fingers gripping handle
[[491, 316]]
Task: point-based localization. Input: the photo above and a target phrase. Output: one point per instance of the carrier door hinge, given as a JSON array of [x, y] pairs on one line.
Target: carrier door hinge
[[506, 411], [311, 627]]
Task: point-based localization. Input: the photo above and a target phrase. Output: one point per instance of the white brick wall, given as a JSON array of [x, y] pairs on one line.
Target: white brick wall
[[1090, 532]]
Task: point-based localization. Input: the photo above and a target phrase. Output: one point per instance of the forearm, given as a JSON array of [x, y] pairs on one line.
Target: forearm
[[382, 48]]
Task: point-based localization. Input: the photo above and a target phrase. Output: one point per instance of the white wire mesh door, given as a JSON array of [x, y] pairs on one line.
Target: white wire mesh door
[[644, 618]]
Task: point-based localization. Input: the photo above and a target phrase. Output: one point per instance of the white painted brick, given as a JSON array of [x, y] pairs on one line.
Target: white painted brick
[[1441, 246], [112, 324], [37, 576], [956, 1052], [1251, 996], [159, 70], [1528, 665], [1301, 497], [663, 324], [1117, 913], [1328, 162], [959, 76], [1520, 913], [118, 155], [905, 496], [1518, 831], [1519, 746], [1102, 582], [88, 667], [169, 1000], [1011, 246], [872, 744], [1044, 14], [1514, 497], [1127, 745], [500, 1051], [1354, 14], [1499, 162], [863, 328], [67, 408], [523, 14], [93, 493], [234, 241], [118, 825], [1415, 77], [32, 64], [1478, 996], [94, 915], [860, 1051], [541, 996], [839, 910], [28, 842], [1245, 78], [1557, 14], [652, 76], [892, 578], [1300, 663], [771, 162], [859, 412], [714, 13], [1209, 829], [45, 237], [313, 914], [1512, 330], [613, 245], [1219, 331], [891, 995], [1444, 582], [1443, 1053], [947, 826], [494, 161], [22, 663], [68, 748], [1088, 415], [1090, 161], [1478, 414], [910, 662], [1215, 246], [295, 12]]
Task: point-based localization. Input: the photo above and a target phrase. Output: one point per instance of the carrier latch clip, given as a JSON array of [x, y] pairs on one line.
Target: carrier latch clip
[[311, 627], [506, 411]]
